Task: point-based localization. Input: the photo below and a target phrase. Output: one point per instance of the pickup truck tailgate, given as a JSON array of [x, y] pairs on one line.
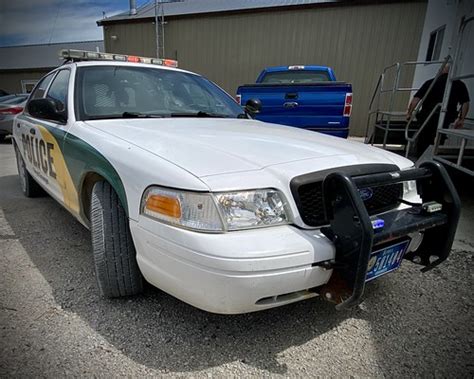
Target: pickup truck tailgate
[[316, 106]]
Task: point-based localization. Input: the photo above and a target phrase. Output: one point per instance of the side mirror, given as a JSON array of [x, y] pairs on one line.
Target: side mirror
[[47, 109], [253, 106]]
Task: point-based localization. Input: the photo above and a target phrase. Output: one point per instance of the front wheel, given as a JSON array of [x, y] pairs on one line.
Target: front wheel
[[115, 261]]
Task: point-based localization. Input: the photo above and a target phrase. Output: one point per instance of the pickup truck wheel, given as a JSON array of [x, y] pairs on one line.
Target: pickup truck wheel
[[115, 261], [29, 186]]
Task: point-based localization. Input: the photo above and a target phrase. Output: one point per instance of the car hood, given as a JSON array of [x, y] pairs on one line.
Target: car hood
[[207, 146]]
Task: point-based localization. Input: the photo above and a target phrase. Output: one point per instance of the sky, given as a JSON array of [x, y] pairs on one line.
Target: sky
[[25, 22]]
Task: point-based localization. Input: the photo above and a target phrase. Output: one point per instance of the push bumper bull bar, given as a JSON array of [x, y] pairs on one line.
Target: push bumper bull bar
[[354, 237]]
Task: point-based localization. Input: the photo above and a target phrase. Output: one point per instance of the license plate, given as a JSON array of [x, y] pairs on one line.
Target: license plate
[[386, 260]]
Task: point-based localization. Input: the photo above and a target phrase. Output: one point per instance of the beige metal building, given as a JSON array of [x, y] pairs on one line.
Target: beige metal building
[[231, 41], [22, 66]]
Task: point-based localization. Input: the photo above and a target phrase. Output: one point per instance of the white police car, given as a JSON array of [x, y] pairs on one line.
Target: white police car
[[181, 187]]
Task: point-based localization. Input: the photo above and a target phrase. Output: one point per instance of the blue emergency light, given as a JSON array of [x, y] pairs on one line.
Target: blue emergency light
[[378, 223]]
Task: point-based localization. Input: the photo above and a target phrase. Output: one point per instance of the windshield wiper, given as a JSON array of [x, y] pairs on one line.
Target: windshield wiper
[[124, 115], [141, 115], [199, 114], [154, 115]]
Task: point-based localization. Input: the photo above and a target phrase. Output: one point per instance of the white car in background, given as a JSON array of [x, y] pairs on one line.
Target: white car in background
[[182, 188]]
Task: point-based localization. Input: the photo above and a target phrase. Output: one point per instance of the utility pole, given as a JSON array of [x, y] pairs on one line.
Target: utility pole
[[160, 26], [159, 30]]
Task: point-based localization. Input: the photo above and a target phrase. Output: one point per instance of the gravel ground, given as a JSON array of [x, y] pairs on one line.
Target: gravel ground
[[53, 323]]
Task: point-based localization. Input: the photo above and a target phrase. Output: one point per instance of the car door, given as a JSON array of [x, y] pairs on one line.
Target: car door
[[24, 129], [44, 144]]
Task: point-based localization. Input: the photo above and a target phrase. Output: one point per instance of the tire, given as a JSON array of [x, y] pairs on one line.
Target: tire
[[115, 260], [29, 186]]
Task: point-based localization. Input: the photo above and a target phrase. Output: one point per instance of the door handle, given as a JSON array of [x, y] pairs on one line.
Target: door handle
[[291, 96], [290, 104], [33, 131]]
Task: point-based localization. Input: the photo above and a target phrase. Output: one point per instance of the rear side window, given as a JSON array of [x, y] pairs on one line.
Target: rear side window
[[301, 76], [42, 86], [58, 89]]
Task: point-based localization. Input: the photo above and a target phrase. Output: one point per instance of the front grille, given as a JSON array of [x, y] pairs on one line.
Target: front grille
[[309, 196], [311, 204], [384, 198], [311, 201]]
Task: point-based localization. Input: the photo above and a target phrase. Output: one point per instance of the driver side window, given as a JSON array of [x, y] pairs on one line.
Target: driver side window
[[40, 89], [58, 90]]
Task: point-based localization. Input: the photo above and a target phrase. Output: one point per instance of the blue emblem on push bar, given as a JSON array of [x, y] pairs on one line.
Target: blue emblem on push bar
[[378, 223], [366, 193]]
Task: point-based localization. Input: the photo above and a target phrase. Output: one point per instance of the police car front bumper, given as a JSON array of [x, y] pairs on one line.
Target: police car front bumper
[[235, 272], [352, 230], [251, 270]]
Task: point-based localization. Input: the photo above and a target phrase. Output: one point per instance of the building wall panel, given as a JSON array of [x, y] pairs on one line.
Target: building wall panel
[[10, 80], [358, 41]]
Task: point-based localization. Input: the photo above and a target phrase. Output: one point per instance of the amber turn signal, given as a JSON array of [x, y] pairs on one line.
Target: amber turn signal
[[168, 206]]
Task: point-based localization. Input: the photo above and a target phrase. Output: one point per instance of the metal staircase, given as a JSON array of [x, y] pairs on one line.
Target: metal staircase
[[460, 154], [388, 128]]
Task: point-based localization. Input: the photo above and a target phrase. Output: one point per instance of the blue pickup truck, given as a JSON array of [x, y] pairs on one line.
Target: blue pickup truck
[[307, 97]]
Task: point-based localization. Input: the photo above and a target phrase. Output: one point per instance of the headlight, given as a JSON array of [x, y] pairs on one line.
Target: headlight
[[409, 186], [192, 210], [249, 209], [215, 212]]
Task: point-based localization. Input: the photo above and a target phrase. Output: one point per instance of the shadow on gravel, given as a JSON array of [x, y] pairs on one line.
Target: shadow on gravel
[[153, 329], [161, 332]]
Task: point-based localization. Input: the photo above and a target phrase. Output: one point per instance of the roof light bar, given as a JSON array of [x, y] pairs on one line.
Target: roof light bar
[[133, 58], [83, 55]]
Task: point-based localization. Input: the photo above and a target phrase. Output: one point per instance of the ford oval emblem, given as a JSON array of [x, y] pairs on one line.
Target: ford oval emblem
[[366, 193]]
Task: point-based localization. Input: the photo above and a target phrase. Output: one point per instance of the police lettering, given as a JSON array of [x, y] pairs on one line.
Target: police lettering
[[39, 154]]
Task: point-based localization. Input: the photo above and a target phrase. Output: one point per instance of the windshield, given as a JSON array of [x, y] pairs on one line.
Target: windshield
[[293, 76], [126, 92]]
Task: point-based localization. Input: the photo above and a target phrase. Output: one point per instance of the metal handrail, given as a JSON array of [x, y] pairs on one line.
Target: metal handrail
[[412, 139], [465, 22], [370, 113], [420, 129], [408, 89], [375, 92], [396, 64], [380, 90], [394, 90], [426, 63], [446, 60], [409, 140], [447, 92], [451, 78], [467, 76]]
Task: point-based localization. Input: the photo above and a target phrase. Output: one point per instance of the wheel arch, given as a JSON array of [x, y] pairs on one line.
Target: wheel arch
[[87, 184]]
